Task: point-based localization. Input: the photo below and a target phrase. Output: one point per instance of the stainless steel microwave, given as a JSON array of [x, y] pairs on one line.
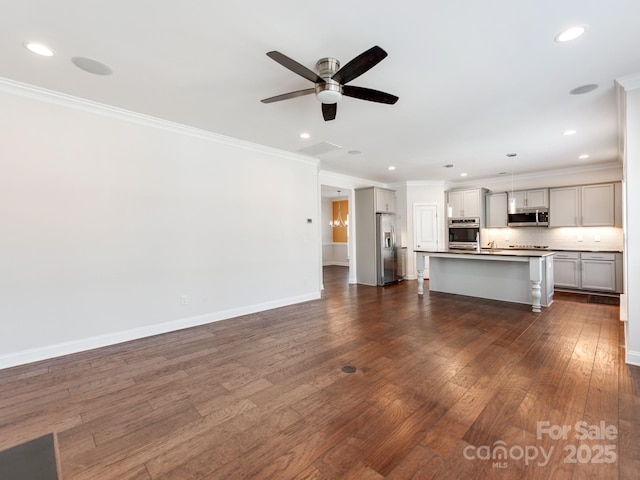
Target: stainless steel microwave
[[529, 217]]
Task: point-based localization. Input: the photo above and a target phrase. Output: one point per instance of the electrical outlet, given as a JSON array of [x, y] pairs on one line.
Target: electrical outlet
[[506, 237], [579, 237], [184, 299], [596, 238]]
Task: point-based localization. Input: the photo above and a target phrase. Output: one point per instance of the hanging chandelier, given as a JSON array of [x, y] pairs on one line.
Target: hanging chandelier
[[338, 221]]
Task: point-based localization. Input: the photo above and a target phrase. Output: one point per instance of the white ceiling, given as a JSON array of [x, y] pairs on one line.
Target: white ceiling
[[476, 79]]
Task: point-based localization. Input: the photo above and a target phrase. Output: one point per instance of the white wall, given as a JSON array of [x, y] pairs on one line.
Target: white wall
[[430, 193], [108, 218], [348, 185], [630, 104]]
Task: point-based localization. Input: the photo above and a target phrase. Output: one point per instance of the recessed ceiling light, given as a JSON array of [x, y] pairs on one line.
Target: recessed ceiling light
[[391, 167], [583, 89], [463, 174], [39, 49], [305, 135], [92, 66], [570, 33], [566, 133], [584, 156]]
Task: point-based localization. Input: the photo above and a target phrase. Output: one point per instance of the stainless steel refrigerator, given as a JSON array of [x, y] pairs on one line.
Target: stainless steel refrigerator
[[388, 262]]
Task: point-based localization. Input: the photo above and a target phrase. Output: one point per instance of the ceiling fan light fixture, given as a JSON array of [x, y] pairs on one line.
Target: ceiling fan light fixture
[[329, 92], [331, 79]]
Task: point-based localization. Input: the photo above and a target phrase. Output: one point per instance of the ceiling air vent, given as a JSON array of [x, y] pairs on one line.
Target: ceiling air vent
[[319, 148]]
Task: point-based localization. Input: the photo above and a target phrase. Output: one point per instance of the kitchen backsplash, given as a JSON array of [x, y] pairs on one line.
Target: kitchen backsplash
[[570, 238]]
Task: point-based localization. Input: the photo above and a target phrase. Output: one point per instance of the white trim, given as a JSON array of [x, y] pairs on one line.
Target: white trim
[[506, 180], [75, 346], [629, 82], [427, 183], [623, 307], [50, 96], [633, 358], [333, 179], [621, 101]]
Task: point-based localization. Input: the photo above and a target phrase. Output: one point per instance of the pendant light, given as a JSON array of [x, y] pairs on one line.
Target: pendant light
[[339, 222], [512, 199]]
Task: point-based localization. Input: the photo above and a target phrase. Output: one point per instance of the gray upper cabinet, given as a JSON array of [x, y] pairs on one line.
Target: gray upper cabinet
[[538, 198], [465, 203], [564, 207], [583, 206], [385, 200], [598, 205], [496, 210]]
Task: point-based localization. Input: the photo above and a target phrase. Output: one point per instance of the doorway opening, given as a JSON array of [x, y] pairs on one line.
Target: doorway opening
[[337, 244]]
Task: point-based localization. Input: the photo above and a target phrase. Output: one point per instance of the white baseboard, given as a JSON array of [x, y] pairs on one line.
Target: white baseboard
[[66, 348], [633, 358]]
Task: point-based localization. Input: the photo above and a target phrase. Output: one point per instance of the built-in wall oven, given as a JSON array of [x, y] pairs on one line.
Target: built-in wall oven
[[464, 233]]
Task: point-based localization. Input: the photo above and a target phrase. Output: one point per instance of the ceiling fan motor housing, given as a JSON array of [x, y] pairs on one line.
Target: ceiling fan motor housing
[[330, 91]]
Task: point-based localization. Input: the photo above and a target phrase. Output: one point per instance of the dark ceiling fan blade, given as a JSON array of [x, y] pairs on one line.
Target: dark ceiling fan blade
[[369, 94], [286, 96], [295, 67], [359, 65], [329, 111]]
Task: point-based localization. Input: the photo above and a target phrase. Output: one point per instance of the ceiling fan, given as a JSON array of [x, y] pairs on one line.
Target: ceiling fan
[[330, 81]]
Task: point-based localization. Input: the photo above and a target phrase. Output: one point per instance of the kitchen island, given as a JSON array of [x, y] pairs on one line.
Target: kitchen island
[[521, 276]]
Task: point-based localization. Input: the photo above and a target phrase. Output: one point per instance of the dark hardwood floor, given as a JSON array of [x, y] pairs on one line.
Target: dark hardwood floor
[[445, 387]]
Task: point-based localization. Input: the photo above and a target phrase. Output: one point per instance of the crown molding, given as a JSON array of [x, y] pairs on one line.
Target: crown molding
[[427, 183], [334, 179], [49, 96], [629, 82], [506, 179]]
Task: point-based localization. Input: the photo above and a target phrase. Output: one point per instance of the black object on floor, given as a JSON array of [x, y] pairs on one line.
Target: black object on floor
[[33, 460], [603, 299]]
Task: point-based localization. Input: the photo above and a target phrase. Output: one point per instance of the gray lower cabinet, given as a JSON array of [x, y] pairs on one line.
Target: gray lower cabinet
[[566, 270], [591, 271], [598, 271]]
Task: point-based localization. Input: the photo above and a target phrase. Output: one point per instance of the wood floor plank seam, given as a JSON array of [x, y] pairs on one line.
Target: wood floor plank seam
[[264, 395]]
